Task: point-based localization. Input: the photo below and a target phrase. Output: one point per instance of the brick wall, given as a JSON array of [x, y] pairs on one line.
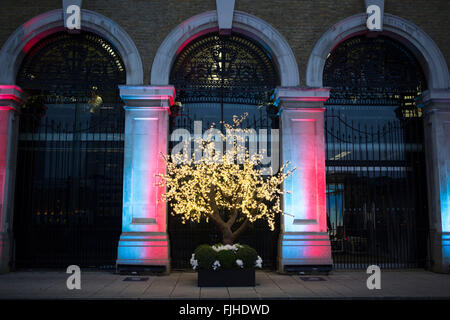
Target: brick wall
[[301, 22]]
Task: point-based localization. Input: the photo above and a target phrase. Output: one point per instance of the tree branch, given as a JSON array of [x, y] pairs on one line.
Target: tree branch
[[212, 202], [229, 198], [234, 215]]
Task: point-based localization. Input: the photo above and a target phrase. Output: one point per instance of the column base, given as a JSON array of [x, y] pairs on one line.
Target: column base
[[5, 252], [143, 251], [440, 252], [304, 250]]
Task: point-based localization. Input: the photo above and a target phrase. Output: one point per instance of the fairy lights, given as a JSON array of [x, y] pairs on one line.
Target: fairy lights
[[226, 188]]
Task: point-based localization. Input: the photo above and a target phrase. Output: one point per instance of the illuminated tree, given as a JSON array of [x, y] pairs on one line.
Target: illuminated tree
[[226, 188]]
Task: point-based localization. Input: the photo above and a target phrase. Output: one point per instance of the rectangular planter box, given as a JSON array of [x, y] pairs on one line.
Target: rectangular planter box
[[226, 278]]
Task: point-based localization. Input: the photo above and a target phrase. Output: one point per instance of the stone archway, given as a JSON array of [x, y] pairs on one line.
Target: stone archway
[[21, 40], [244, 23], [425, 49], [12, 97], [436, 107]]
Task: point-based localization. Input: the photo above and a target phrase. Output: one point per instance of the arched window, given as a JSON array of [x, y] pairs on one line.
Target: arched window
[[373, 71], [70, 159], [73, 79], [72, 63], [217, 77]]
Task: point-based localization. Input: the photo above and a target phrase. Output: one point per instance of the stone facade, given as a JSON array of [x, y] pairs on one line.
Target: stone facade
[[291, 29], [300, 22]]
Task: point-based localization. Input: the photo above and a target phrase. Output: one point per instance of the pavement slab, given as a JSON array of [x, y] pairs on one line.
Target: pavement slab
[[339, 284]]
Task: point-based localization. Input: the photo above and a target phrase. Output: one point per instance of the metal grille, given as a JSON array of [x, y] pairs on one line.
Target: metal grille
[[68, 206], [372, 71], [224, 69], [376, 184], [216, 77], [66, 65]]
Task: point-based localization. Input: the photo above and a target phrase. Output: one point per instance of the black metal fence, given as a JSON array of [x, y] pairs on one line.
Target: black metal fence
[[376, 189], [69, 194], [69, 191]]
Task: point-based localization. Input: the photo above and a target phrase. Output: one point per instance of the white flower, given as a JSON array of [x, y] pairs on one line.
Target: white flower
[[220, 247], [240, 263], [258, 262], [216, 265], [194, 262]]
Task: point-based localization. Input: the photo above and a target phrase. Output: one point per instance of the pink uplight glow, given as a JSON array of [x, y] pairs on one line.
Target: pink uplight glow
[[192, 38], [31, 43], [307, 185], [312, 99], [10, 86], [9, 108], [10, 97], [305, 239]]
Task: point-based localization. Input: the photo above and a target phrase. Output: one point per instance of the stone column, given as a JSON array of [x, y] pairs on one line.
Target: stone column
[[144, 240], [304, 242], [437, 154], [11, 98]]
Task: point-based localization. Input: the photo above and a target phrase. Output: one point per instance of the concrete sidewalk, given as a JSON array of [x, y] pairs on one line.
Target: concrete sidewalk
[[414, 284]]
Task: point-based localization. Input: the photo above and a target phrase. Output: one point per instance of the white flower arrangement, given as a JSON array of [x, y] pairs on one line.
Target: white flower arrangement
[[216, 265], [194, 262], [220, 247], [258, 263]]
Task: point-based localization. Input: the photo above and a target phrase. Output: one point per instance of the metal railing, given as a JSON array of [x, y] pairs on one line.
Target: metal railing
[[376, 191], [68, 207]]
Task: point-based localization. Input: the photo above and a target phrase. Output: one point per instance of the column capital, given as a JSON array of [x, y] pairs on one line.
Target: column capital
[[148, 96], [435, 99], [11, 97], [297, 98], [439, 95]]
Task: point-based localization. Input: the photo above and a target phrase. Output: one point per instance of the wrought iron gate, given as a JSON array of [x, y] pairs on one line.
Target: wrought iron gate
[[376, 192], [69, 194], [68, 205], [376, 184]]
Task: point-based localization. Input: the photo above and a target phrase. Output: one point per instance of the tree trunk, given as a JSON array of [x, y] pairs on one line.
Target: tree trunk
[[228, 236], [227, 239]]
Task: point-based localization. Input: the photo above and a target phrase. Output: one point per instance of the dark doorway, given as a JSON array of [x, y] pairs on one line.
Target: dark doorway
[[376, 184], [68, 199], [217, 77]]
